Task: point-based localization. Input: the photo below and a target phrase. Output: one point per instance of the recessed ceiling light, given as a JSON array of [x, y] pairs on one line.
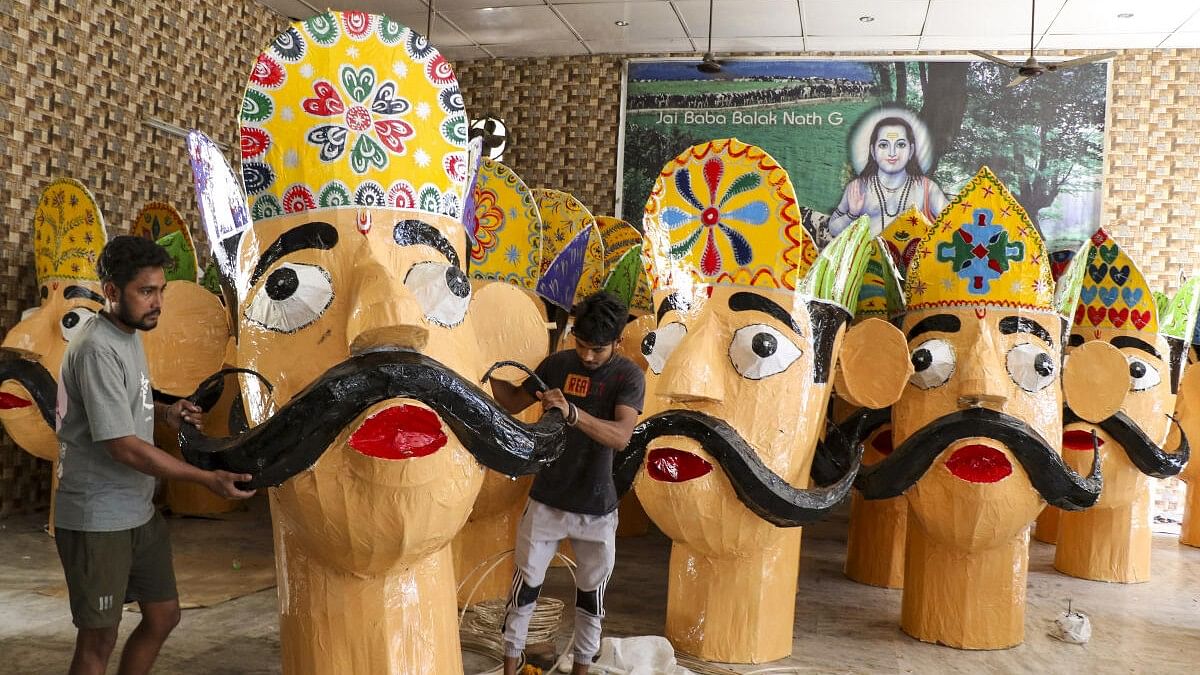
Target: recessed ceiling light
[[1125, 15], [622, 24], [866, 19]]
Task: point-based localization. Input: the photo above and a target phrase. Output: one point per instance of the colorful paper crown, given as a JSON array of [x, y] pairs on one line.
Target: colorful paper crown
[[507, 230], [725, 212], [352, 108], [624, 275], [572, 249], [1113, 293], [1179, 318], [983, 250], [160, 222], [882, 294], [68, 232]]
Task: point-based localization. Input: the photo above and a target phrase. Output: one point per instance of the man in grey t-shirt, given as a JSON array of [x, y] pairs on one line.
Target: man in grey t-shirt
[[112, 543]]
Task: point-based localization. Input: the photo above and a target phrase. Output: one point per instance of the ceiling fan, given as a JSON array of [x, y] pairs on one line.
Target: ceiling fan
[[1031, 67], [709, 65]]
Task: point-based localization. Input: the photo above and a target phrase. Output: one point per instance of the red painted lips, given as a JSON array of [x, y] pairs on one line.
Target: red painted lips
[[1079, 439], [979, 464], [675, 466], [9, 402], [399, 432]]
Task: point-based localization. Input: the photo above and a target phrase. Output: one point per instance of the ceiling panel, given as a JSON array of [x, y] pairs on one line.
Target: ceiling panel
[[511, 25], [1182, 40], [639, 46], [1101, 16], [1104, 41], [512, 28], [988, 17], [984, 42], [734, 18], [537, 48], [853, 43], [597, 20], [844, 17], [754, 44], [463, 53]]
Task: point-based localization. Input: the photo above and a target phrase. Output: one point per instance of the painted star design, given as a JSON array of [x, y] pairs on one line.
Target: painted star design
[[306, 70], [352, 52], [400, 68], [423, 110], [988, 192], [421, 158]]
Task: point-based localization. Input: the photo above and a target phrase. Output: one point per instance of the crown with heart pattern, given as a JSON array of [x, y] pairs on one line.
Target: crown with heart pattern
[[1114, 294]]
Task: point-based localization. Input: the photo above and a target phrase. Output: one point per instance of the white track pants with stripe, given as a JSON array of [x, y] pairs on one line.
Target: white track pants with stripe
[[594, 541]]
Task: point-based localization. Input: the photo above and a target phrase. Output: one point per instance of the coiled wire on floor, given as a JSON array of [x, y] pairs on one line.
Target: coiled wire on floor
[[481, 633]]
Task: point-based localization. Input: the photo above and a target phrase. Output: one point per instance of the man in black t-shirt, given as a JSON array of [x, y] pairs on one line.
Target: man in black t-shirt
[[600, 393]]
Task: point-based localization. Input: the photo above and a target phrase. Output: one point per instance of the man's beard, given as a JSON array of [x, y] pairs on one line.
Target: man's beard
[[147, 321]]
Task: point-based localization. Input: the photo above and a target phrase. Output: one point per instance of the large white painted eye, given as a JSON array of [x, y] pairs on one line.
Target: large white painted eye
[[933, 364], [658, 345], [442, 290], [1030, 367], [759, 351], [73, 321], [292, 297], [1142, 375]]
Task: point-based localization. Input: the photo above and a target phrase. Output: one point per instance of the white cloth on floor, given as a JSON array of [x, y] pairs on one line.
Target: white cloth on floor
[[642, 655]]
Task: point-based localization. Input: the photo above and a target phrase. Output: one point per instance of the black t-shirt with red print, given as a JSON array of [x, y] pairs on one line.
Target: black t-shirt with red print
[[581, 479]]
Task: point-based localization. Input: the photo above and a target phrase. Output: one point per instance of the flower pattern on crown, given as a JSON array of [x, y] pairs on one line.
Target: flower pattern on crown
[[68, 232], [506, 238], [725, 212], [350, 108], [982, 250]]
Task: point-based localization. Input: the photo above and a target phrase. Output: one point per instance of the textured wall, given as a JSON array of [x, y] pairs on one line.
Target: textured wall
[[76, 79], [563, 116]]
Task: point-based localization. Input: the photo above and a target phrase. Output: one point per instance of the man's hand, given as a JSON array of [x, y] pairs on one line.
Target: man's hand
[[554, 398], [222, 484], [184, 411]]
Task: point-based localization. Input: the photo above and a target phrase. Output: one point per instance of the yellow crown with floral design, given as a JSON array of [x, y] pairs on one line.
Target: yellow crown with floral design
[[507, 240], [158, 219], [351, 108], [1114, 294], [725, 212], [982, 250], [881, 294], [68, 232]]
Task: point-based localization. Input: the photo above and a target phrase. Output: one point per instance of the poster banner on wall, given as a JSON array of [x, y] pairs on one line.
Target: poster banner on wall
[[878, 137]]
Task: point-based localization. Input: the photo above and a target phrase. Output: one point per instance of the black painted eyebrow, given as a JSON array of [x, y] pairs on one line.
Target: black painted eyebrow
[[942, 323], [675, 301], [72, 292], [753, 302], [1019, 324], [413, 232], [318, 235], [1122, 341]]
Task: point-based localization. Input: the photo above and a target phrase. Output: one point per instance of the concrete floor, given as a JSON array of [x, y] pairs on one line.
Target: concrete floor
[[841, 627]]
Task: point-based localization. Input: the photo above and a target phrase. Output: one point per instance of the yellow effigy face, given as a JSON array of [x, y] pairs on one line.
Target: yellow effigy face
[[68, 235], [396, 483]]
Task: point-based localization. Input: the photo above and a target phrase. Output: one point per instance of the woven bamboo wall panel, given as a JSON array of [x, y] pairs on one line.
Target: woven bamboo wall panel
[[560, 109], [77, 78]]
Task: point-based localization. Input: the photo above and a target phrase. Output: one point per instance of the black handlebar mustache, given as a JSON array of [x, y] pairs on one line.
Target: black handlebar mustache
[[296, 436]]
